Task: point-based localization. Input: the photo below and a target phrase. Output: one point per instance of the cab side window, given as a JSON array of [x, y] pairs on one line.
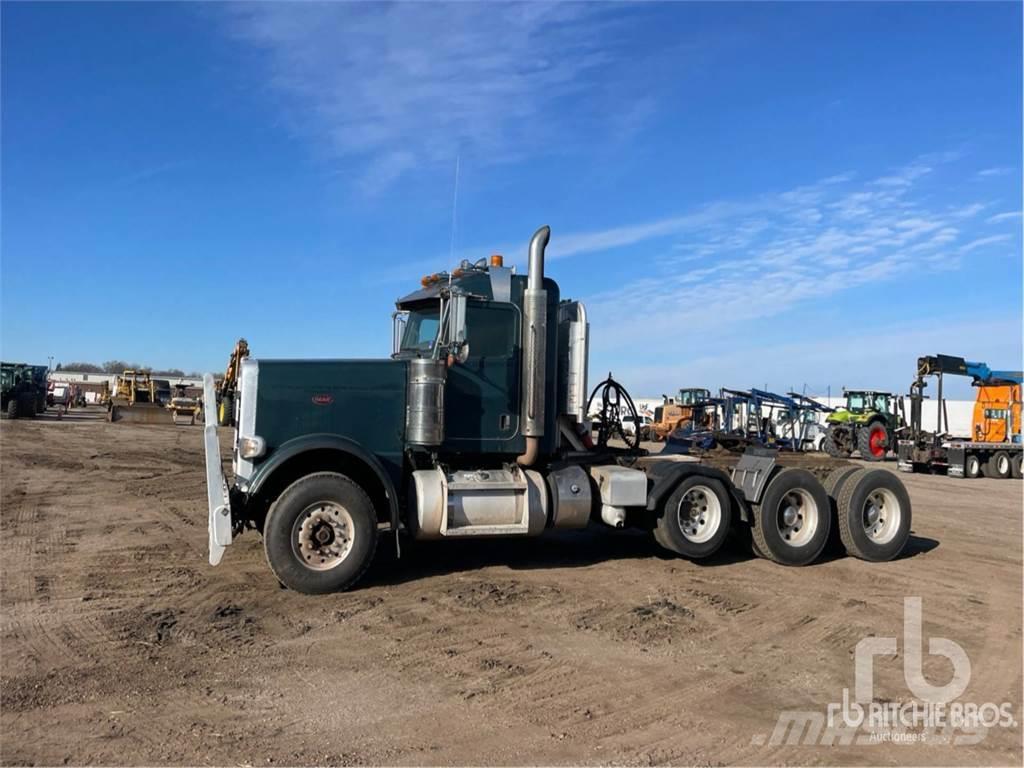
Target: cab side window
[[491, 330]]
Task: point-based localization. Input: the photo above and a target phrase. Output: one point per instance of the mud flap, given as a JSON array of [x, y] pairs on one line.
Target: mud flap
[[218, 501], [752, 472]]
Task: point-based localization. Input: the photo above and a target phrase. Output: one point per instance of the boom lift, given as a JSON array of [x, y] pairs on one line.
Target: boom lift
[[995, 445]]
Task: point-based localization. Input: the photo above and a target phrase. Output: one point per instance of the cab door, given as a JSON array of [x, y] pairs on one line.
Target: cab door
[[482, 394]]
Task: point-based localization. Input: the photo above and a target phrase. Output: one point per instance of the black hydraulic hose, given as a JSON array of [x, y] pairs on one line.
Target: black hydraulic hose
[[610, 415]]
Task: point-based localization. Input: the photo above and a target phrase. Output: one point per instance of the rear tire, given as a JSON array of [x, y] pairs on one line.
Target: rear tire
[[999, 466], [873, 442], [321, 533], [792, 522], [874, 515], [972, 466], [12, 408], [695, 520], [1015, 468]]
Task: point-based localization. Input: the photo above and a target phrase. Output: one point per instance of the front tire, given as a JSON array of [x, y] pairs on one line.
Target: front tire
[[12, 408], [792, 522], [830, 446], [972, 466], [695, 520], [321, 533]]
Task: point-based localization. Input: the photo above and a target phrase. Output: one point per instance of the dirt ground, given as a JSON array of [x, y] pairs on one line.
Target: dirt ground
[[121, 645]]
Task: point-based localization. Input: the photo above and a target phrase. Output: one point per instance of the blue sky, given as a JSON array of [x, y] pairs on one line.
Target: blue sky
[[781, 194]]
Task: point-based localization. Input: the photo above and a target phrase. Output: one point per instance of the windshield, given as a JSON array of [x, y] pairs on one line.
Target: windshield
[[420, 331], [855, 402]]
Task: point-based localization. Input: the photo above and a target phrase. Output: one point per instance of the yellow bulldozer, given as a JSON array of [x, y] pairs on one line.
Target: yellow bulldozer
[[134, 400]]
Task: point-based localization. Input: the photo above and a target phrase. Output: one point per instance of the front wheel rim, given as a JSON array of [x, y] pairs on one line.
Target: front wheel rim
[[323, 535], [699, 514], [881, 515], [797, 518]]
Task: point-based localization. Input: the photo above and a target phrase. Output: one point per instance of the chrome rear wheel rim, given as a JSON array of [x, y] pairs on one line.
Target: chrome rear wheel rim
[[797, 517], [699, 514], [881, 515]]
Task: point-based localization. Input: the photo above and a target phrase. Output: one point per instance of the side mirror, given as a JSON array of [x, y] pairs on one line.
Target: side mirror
[[454, 332], [457, 320], [398, 322]]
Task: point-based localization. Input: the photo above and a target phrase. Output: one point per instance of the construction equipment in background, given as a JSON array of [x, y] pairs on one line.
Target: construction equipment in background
[[104, 396], [40, 374], [184, 409], [676, 412], [868, 423], [229, 384], [995, 446], [134, 400], [18, 395]]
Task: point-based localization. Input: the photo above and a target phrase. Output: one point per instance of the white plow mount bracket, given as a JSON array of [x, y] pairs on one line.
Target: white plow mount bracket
[[216, 486]]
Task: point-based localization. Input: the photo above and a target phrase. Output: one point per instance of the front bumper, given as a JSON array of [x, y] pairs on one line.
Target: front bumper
[[217, 497]]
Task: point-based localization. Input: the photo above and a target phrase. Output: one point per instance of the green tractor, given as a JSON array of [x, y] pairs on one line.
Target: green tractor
[[17, 390], [867, 424]]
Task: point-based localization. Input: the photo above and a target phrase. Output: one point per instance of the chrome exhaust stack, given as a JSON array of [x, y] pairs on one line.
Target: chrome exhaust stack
[[534, 345]]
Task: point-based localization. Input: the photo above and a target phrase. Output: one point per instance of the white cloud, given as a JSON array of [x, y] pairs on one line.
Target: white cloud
[[887, 362], [999, 171], [999, 217], [386, 88], [981, 242], [733, 264]]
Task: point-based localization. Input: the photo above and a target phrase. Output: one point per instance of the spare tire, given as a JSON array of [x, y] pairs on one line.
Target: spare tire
[[874, 515], [792, 521], [873, 441]]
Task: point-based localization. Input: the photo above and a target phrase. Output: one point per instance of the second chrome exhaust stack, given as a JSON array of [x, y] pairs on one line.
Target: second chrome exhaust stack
[[534, 346]]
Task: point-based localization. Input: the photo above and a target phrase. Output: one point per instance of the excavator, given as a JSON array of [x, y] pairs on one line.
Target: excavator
[[229, 385], [995, 446]]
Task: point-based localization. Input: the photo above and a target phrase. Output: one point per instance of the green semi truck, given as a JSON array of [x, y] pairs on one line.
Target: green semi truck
[[477, 426]]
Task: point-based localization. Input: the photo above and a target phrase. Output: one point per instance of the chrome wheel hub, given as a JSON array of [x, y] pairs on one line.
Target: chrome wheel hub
[[797, 518], [881, 515], [322, 536], [699, 514]]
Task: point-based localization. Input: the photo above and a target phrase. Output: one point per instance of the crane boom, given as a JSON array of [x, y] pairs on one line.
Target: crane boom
[[980, 372]]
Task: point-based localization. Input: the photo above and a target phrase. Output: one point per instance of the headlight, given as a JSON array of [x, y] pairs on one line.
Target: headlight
[[251, 447]]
